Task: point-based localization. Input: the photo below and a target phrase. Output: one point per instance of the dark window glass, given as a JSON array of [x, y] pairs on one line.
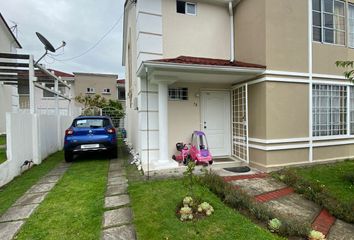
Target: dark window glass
[[316, 5], [181, 7], [328, 20], [328, 6], [317, 19], [46, 93], [328, 36], [317, 34]]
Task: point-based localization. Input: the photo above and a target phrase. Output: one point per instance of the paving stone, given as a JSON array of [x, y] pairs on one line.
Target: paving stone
[[256, 186], [44, 187], [126, 232], [18, 213], [116, 201], [31, 198], [117, 180], [341, 231], [9, 229], [116, 173], [115, 167], [117, 217], [50, 179], [296, 207], [57, 171], [116, 189]]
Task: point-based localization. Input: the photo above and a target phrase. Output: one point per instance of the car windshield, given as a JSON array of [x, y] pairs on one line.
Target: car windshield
[[203, 145], [91, 123]]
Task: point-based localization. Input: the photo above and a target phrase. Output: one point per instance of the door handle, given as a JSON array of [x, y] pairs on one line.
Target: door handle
[[205, 127]]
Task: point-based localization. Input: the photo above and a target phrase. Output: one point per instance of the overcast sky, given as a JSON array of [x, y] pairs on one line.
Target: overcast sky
[[80, 23]]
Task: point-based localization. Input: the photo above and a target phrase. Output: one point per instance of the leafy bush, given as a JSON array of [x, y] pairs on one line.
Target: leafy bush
[[316, 192], [205, 208], [349, 177], [240, 200]]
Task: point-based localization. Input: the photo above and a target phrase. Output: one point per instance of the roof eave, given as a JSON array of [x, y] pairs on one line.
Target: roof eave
[[183, 66]]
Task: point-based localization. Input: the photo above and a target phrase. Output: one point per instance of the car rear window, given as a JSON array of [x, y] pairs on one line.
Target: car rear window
[[91, 122]]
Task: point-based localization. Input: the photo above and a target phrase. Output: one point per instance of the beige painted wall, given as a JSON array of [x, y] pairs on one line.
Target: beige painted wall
[[184, 116], [282, 157], [98, 82], [287, 110], [286, 35], [204, 35], [250, 31], [331, 152], [257, 112]]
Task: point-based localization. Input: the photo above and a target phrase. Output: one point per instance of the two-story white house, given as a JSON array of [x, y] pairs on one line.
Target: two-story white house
[[9, 101], [257, 76]]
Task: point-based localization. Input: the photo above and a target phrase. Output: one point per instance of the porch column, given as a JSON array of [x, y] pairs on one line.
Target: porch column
[[163, 122]]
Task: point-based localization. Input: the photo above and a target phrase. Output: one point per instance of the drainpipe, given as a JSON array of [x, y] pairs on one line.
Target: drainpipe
[[310, 62], [232, 43]]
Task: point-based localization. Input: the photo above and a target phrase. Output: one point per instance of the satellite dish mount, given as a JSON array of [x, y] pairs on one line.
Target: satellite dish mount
[[47, 46]]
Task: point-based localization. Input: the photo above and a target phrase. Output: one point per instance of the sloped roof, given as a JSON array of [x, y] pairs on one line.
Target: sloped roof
[[208, 61], [9, 30], [121, 81], [61, 74]]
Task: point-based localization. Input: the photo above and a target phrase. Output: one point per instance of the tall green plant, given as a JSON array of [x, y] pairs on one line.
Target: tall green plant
[[189, 178], [349, 65]]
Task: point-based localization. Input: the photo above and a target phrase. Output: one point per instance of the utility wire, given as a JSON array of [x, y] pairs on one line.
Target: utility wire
[[94, 45]]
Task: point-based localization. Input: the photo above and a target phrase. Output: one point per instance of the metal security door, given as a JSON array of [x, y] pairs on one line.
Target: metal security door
[[240, 123]]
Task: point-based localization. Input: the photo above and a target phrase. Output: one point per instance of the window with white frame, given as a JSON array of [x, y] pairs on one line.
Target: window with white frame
[[106, 91], [178, 94], [186, 7], [328, 21], [351, 103], [47, 94], [329, 110], [90, 90], [351, 25]]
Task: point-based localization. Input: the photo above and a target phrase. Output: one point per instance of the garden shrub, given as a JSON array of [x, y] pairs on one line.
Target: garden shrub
[[240, 200], [349, 177], [316, 192]]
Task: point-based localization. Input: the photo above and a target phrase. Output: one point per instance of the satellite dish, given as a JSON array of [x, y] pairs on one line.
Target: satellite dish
[[47, 45]]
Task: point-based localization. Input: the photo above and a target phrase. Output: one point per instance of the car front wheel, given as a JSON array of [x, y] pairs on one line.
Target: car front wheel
[[68, 156]]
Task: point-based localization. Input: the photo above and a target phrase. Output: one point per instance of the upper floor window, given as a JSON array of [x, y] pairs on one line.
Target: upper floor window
[[121, 93], [328, 21], [351, 25], [186, 7], [90, 90], [106, 91]]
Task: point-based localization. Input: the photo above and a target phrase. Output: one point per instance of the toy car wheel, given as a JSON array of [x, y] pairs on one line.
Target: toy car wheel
[[174, 157], [211, 162], [186, 161], [68, 155]]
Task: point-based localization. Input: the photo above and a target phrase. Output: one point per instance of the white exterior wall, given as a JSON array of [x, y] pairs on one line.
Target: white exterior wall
[[8, 94], [31, 137]]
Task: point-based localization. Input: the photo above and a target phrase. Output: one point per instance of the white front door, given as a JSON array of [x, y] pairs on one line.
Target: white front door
[[215, 117]]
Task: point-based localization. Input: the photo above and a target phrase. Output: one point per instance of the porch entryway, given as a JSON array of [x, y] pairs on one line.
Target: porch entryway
[[215, 121]]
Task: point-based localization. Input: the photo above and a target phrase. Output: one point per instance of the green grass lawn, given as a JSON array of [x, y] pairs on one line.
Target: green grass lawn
[[154, 204], [2, 139], [3, 156], [332, 176], [16, 188], [74, 208]]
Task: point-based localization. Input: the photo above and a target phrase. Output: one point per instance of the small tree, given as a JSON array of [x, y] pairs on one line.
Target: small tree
[[349, 65]]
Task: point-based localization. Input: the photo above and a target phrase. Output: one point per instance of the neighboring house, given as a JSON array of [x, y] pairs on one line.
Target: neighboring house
[[45, 101], [258, 76], [96, 83], [8, 93], [121, 98]]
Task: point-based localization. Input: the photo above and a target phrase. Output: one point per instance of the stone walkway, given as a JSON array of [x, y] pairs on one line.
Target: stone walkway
[[117, 220], [13, 219], [284, 202]]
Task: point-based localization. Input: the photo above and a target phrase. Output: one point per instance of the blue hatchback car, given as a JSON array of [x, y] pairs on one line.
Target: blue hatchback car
[[90, 134]]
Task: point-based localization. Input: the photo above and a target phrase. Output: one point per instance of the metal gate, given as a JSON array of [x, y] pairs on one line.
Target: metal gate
[[240, 123], [114, 114]]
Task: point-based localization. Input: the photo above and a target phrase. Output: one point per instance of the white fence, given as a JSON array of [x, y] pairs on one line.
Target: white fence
[[31, 137]]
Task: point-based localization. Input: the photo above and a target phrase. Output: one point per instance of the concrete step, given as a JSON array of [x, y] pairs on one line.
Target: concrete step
[[258, 186]]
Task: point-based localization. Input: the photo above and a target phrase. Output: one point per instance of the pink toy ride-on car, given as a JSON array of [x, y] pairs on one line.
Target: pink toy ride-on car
[[199, 150], [184, 153]]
